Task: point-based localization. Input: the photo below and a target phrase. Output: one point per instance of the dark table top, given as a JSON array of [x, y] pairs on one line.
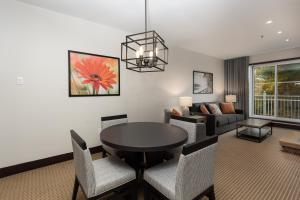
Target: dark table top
[[143, 136], [255, 123]]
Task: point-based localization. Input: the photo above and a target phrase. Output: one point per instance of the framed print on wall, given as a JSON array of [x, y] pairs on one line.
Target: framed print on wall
[[93, 75], [202, 82]]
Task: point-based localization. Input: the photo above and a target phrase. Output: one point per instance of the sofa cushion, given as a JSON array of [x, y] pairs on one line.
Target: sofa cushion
[[227, 108], [207, 105], [221, 120], [214, 108], [228, 119], [239, 117], [231, 118], [203, 109], [175, 112]]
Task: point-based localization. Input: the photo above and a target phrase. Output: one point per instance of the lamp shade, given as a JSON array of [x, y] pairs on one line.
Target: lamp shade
[[185, 101], [230, 98]]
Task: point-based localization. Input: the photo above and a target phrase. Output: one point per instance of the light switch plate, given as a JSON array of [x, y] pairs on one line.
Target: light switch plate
[[20, 80]]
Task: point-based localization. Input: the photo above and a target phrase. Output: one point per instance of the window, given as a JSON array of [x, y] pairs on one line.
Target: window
[[275, 91]]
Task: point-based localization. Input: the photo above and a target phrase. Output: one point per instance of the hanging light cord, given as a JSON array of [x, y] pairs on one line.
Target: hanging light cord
[[145, 15]]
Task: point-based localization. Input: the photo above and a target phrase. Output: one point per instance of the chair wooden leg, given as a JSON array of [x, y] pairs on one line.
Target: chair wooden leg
[[75, 189], [135, 190], [147, 193], [211, 194]]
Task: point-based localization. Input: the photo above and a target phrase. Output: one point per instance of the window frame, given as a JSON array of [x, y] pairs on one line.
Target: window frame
[[251, 91]]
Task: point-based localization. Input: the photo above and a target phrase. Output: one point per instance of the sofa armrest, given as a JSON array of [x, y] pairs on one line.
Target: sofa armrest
[[200, 131], [182, 118], [210, 124], [239, 111], [167, 116]]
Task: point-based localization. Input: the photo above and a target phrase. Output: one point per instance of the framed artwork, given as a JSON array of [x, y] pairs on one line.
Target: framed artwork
[[93, 75], [202, 82]]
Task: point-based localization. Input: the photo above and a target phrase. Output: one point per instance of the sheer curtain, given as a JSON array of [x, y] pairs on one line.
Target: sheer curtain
[[236, 81]]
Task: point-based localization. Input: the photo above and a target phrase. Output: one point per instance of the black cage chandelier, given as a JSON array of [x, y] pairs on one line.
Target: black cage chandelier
[[145, 52]]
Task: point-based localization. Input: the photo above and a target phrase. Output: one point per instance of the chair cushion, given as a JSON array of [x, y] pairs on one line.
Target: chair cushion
[[163, 178], [110, 150], [111, 172]]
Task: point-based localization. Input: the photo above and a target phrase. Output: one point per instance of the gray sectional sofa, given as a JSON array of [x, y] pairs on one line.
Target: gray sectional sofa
[[218, 124]]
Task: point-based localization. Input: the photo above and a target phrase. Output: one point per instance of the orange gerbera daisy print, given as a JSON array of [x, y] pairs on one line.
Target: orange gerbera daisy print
[[92, 73]]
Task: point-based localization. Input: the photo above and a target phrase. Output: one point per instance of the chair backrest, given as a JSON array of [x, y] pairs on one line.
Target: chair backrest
[[195, 130], [195, 171], [113, 120], [84, 169]]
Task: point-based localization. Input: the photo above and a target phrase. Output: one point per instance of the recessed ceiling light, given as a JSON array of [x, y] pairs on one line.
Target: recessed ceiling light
[[269, 22], [287, 40], [279, 32]]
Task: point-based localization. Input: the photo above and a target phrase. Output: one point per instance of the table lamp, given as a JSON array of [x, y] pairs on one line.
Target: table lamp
[[230, 98], [185, 103]]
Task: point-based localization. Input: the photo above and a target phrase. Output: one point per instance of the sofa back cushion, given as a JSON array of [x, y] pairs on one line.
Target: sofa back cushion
[[227, 108], [195, 108], [175, 112], [214, 109], [203, 109]]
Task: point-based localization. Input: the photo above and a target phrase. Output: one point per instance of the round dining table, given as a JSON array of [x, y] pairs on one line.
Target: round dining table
[[139, 138]]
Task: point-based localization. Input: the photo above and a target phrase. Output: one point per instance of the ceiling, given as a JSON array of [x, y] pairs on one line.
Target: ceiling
[[219, 28]]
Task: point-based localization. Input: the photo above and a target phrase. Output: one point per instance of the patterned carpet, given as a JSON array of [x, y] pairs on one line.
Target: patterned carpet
[[244, 171]]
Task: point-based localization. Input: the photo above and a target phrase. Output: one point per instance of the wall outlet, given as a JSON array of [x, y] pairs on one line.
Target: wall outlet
[[20, 80]]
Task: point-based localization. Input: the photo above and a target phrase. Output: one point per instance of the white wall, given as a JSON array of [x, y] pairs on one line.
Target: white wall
[[36, 117], [165, 88], [284, 54]]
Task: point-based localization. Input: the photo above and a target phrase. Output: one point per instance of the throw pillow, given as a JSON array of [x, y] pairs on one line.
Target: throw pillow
[[214, 108], [203, 109], [175, 112], [227, 108]]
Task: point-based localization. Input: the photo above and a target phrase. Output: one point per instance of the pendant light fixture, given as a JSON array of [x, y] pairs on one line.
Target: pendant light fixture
[[145, 52]]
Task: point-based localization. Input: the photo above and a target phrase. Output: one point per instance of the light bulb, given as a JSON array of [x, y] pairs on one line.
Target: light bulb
[[151, 54], [137, 54], [141, 51], [156, 51]]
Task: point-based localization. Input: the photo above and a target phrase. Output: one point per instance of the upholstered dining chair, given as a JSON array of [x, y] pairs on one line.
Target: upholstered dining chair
[[100, 177], [110, 121], [196, 131], [189, 178]]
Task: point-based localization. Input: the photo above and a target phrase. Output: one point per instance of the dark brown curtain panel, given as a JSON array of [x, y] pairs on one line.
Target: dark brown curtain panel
[[236, 81]]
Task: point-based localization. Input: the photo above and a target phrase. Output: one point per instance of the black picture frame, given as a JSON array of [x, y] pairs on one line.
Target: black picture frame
[[91, 95], [210, 89]]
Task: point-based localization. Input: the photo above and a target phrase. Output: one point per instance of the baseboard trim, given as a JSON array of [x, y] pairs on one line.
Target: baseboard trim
[[280, 124], [23, 167]]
